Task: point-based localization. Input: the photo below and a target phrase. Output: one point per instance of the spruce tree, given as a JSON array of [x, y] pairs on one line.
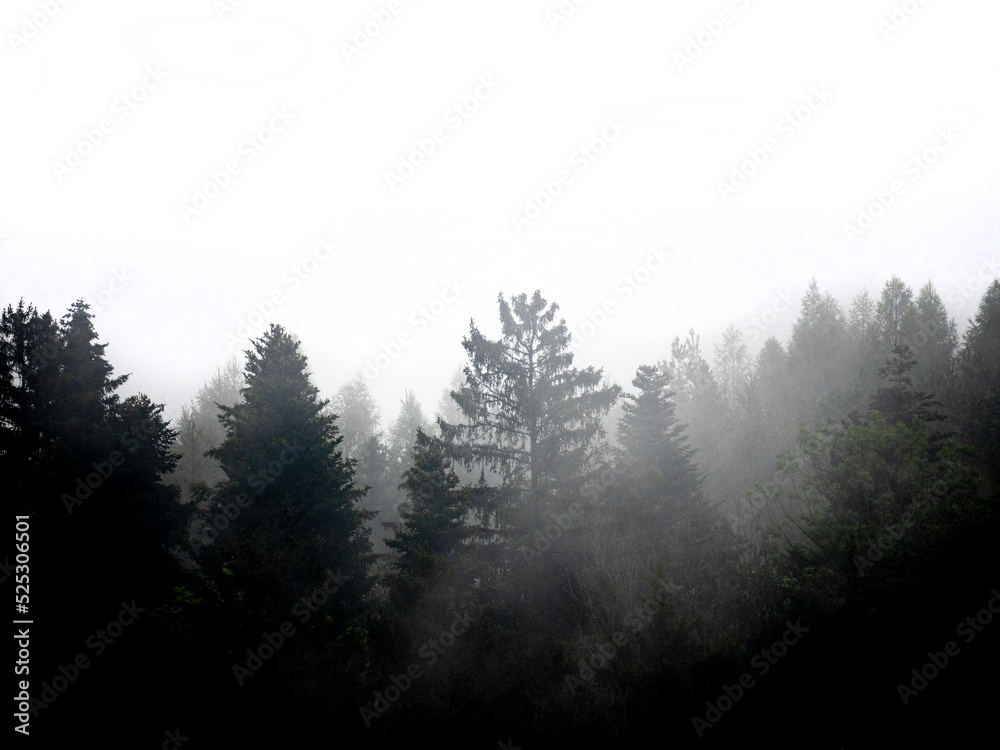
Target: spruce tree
[[653, 441], [433, 526], [976, 392], [289, 491], [530, 414]]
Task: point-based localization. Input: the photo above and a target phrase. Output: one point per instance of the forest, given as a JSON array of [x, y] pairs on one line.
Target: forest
[[795, 546]]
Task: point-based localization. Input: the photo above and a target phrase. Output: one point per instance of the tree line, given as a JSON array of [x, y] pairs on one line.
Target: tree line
[[554, 559]]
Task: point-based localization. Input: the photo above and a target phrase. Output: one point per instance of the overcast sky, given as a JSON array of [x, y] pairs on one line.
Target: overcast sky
[[179, 164]]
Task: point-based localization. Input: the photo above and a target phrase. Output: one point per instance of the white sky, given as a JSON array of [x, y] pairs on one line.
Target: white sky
[[66, 232]]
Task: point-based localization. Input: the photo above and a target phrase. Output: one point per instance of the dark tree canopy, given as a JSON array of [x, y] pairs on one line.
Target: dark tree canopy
[[297, 517]]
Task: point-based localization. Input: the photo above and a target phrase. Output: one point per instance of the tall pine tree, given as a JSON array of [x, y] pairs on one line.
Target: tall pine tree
[[291, 492], [530, 414]]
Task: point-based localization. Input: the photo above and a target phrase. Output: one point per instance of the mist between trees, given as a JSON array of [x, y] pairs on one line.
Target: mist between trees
[[645, 539]]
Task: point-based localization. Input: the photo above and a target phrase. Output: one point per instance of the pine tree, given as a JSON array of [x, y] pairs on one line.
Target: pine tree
[[898, 401], [820, 359], [861, 317], [199, 430], [867, 354], [895, 314], [447, 409], [433, 525], [29, 347], [934, 342], [291, 492], [530, 415], [700, 406], [976, 392], [377, 475], [86, 388], [88, 467], [358, 416], [652, 439], [732, 364], [222, 390], [403, 433]]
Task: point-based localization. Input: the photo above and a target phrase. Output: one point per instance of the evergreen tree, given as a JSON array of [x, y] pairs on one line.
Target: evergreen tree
[[868, 353], [403, 433], [772, 386], [861, 318], [433, 525], [820, 359], [377, 475], [530, 415], [653, 441], [291, 491], [447, 409], [87, 466], [29, 347], [700, 406], [199, 430], [86, 389], [934, 342], [732, 364], [358, 416], [976, 393], [222, 390], [895, 315], [897, 401]]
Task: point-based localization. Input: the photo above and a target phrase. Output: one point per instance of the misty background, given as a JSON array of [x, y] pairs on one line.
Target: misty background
[[354, 112], [246, 248]]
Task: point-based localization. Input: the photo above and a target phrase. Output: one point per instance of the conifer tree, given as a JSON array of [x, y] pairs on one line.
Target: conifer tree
[[976, 393], [530, 415], [289, 490], [432, 518]]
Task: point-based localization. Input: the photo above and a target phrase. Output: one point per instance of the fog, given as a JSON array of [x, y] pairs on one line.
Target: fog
[[376, 183]]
